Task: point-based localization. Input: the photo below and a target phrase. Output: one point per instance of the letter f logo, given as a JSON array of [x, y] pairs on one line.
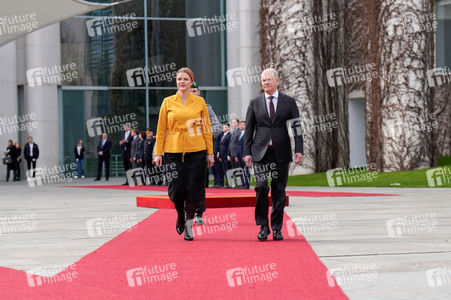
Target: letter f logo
[[335, 77]]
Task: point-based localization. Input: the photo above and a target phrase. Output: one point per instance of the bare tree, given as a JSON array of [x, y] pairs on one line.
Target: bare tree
[[287, 45], [398, 101], [296, 40]]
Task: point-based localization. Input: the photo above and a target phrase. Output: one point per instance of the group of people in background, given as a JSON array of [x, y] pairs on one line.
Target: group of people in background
[[13, 158], [229, 153], [136, 151], [15, 154]]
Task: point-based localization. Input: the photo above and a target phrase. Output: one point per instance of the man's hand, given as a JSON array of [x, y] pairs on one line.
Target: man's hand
[[217, 155], [248, 161], [236, 159], [298, 158], [100, 153], [158, 160], [228, 158], [210, 160]]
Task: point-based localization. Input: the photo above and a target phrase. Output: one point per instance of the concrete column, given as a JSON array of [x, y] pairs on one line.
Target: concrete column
[[42, 49], [8, 99], [243, 55]]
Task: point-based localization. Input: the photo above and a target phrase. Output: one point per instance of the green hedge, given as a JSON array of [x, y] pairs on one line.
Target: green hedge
[[444, 161]]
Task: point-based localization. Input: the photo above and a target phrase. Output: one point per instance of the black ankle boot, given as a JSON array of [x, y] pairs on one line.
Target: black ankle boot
[[180, 225]]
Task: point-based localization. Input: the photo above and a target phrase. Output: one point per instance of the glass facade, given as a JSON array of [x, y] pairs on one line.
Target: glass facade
[[443, 43], [114, 48]]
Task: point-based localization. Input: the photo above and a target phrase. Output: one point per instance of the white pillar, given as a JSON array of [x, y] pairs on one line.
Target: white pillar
[[8, 99], [42, 49], [243, 51]]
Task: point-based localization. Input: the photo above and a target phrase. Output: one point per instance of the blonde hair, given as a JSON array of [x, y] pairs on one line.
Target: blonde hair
[[187, 71]]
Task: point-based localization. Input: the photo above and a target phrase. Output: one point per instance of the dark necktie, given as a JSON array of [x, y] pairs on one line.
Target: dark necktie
[[272, 111]]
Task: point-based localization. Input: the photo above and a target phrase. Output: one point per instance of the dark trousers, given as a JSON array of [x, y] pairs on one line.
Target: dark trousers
[[150, 171], [215, 172], [29, 163], [201, 208], [18, 170], [224, 168], [10, 167], [279, 178], [189, 185], [127, 163], [247, 175], [100, 160], [234, 163]]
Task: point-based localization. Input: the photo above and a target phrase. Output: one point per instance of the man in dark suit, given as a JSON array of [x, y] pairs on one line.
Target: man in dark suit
[[125, 143], [149, 143], [240, 155], [234, 144], [103, 149], [217, 166], [31, 154], [268, 146], [134, 149], [224, 141]]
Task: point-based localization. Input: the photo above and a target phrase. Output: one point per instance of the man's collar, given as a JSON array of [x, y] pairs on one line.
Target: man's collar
[[275, 95]]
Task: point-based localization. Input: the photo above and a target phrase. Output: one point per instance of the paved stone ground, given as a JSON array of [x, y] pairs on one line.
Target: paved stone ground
[[377, 247]]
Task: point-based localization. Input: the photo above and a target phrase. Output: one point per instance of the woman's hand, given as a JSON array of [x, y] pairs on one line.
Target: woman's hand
[[210, 160], [158, 160]]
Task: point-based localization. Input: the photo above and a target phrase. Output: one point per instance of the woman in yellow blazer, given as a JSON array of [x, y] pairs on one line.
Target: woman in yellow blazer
[[184, 135]]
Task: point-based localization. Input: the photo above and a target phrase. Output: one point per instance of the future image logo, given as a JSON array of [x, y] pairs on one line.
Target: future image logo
[[249, 275], [51, 75], [109, 25], [200, 26]]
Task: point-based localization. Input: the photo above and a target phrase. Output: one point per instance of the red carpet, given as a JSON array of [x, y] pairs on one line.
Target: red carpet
[[232, 191], [210, 267], [211, 201]]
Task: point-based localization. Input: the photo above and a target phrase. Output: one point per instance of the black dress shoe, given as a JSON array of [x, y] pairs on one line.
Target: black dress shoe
[[125, 183], [97, 179], [263, 234], [106, 179], [180, 225], [277, 235]]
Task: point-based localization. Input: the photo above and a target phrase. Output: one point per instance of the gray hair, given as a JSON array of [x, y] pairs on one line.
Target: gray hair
[[275, 74]]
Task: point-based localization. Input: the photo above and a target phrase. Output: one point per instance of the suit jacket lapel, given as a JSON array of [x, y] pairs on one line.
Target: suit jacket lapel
[[279, 106], [263, 103]]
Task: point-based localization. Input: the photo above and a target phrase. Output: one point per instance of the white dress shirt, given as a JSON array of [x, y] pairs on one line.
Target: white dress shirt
[[31, 149], [274, 101]]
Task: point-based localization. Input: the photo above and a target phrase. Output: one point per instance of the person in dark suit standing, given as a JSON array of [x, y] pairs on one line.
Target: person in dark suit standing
[[267, 146], [219, 181], [140, 155], [240, 155], [19, 159], [148, 163], [234, 144], [125, 143], [224, 141], [79, 159], [11, 151], [31, 154], [134, 149], [103, 149]]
